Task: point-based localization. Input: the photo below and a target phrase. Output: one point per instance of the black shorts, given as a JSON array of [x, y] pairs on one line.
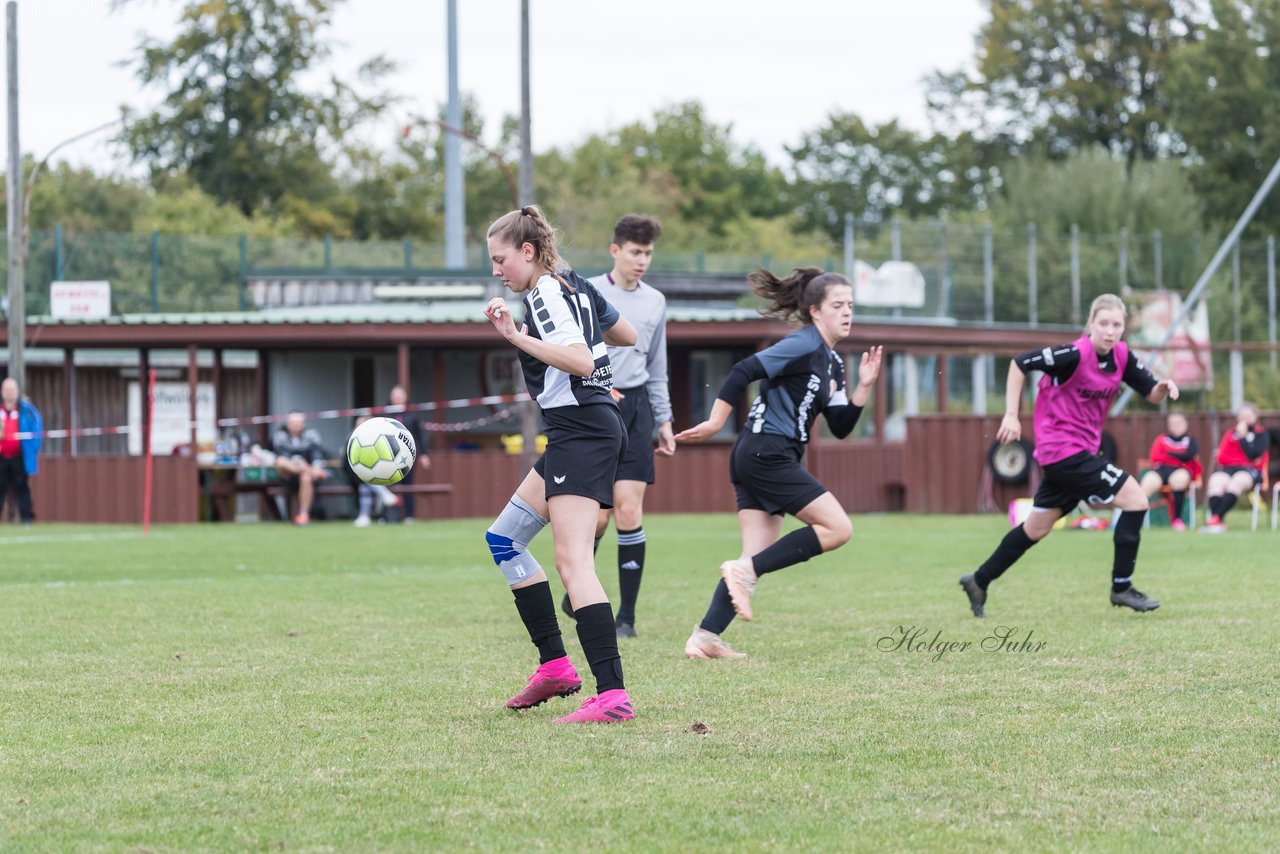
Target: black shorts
[[1080, 477], [767, 474], [1249, 470], [584, 445], [637, 420], [1166, 472]]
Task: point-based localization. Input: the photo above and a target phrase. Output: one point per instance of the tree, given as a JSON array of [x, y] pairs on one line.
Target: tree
[[873, 172], [235, 117], [1220, 87], [1064, 75], [720, 180]]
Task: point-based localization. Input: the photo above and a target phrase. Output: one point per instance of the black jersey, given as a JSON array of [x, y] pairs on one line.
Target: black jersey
[[1060, 363], [562, 316], [800, 376]]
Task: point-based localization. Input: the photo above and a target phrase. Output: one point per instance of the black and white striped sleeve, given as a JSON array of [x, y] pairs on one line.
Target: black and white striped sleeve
[[551, 316]]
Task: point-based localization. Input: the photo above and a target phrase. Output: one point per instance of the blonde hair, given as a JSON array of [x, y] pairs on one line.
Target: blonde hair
[[1105, 301], [529, 225]]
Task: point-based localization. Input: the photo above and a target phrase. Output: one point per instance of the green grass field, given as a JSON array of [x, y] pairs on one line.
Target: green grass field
[[259, 687]]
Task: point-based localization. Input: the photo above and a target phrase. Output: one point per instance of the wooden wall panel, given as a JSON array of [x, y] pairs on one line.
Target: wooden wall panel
[[110, 489], [946, 455]]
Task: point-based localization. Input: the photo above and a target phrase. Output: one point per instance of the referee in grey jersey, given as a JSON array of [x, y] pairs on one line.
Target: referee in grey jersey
[[640, 378]]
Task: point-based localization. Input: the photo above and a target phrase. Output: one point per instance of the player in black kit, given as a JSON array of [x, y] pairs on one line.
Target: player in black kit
[[800, 376]]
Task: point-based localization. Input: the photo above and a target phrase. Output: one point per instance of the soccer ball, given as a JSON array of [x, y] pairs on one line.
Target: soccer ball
[[381, 451]]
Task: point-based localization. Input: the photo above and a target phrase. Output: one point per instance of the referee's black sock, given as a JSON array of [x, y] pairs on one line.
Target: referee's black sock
[[796, 547], [630, 568], [1127, 537], [538, 610], [599, 640], [1013, 546], [720, 613]]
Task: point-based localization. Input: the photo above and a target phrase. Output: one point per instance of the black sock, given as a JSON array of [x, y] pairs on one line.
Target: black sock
[[1225, 503], [1127, 536], [1179, 503], [796, 547], [630, 568], [1013, 546], [599, 640], [1215, 504], [538, 610], [720, 613]]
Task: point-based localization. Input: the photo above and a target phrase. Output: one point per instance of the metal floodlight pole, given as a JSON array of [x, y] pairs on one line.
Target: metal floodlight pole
[[455, 211], [529, 420], [1197, 291], [526, 137], [17, 314]]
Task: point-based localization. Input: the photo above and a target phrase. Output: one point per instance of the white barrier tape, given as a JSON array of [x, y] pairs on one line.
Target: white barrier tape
[[432, 426]]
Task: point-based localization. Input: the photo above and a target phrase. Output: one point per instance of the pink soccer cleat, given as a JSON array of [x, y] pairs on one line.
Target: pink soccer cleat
[[556, 678], [609, 707], [1179, 525]]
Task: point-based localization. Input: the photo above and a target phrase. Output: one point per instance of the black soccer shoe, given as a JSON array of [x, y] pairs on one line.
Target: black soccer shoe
[[567, 607], [977, 596], [1135, 599], [624, 629]]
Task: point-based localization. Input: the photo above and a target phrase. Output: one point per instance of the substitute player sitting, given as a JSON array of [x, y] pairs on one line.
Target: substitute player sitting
[[1174, 462], [1242, 458]]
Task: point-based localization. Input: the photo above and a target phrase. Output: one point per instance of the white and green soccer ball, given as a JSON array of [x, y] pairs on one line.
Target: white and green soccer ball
[[381, 451]]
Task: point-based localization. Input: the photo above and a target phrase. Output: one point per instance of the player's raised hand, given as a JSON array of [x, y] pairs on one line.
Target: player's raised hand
[[499, 314], [869, 369], [1169, 387]]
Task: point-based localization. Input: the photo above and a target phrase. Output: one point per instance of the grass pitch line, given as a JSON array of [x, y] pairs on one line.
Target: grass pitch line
[[70, 538]]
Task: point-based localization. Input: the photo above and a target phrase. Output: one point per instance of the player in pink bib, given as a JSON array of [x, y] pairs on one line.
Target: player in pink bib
[[1080, 382]]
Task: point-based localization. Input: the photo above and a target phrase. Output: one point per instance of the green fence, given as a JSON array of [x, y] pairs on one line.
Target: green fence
[[972, 272]]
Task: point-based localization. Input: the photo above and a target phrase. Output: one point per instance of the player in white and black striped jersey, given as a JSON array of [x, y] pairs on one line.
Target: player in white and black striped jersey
[[562, 350]]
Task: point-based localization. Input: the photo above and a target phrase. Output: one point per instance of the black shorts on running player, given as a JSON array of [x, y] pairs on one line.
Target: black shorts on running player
[[584, 445], [767, 474], [637, 420], [1080, 477]]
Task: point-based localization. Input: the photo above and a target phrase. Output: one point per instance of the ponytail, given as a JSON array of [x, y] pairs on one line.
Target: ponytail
[[791, 298]]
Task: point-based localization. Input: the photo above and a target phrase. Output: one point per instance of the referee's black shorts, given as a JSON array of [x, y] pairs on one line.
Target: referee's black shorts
[[584, 445], [767, 474], [637, 420]]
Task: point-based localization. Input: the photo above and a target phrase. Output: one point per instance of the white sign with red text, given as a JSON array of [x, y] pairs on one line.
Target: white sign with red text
[[80, 300]]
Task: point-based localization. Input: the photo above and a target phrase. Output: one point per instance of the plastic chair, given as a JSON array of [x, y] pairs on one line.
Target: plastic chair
[[1256, 499], [1275, 504]]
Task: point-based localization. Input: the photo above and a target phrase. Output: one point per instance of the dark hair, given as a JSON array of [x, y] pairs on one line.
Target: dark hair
[[529, 225], [791, 298], [640, 229]]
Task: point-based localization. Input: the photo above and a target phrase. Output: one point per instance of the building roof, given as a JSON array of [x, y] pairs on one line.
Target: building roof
[[460, 323]]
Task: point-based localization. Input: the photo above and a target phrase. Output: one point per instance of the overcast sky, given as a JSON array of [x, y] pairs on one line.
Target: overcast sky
[[595, 63]]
